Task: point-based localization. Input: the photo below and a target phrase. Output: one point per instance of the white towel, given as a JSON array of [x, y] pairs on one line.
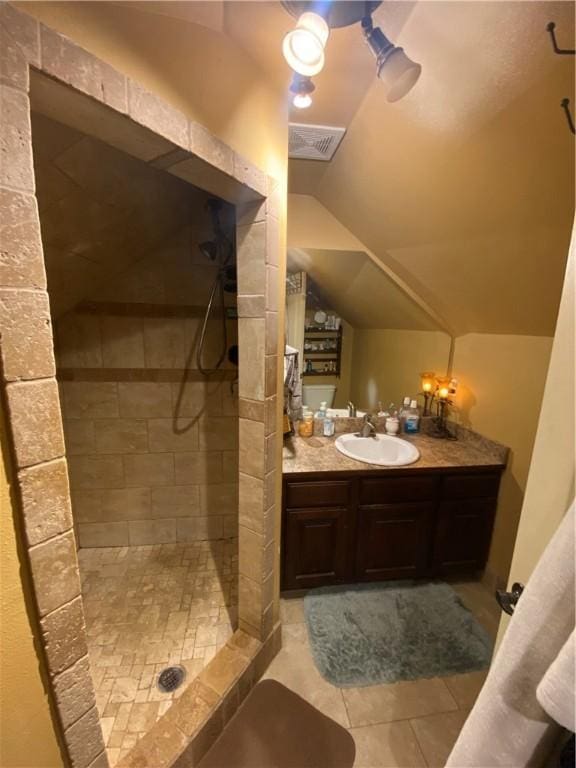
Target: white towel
[[510, 725], [556, 691]]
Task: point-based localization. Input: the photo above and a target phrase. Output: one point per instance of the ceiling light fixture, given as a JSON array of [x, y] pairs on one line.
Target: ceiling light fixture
[[398, 72], [303, 47], [302, 88]]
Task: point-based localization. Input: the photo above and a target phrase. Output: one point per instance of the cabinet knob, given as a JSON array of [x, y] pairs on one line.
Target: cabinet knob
[[507, 600]]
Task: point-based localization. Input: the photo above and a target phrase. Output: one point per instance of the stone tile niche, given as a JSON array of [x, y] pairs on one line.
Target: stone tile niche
[[62, 82]]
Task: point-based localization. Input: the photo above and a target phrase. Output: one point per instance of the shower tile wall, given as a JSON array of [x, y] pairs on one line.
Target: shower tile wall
[[153, 448]]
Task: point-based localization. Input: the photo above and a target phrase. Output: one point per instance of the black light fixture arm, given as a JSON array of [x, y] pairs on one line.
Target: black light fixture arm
[[377, 41], [561, 51]]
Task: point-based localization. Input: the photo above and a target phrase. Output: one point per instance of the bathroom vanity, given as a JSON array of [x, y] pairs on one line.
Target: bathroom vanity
[[344, 521]]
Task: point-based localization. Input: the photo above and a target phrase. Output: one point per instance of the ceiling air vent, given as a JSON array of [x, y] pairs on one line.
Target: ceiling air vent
[[313, 142]]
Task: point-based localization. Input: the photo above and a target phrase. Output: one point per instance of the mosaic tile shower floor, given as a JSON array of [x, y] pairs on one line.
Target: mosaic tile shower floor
[[146, 608]]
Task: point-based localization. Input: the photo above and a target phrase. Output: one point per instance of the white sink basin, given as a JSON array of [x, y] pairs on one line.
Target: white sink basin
[[384, 450]]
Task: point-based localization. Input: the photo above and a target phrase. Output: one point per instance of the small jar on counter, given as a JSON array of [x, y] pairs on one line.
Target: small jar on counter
[[328, 427], [306, 425]]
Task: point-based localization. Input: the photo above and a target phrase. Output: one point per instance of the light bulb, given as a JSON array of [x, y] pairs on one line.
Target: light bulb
[[303, 47], [302, 100], [428, 381], [301, 88]]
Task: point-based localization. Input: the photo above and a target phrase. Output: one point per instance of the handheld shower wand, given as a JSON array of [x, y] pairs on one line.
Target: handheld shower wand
[[219, 250]]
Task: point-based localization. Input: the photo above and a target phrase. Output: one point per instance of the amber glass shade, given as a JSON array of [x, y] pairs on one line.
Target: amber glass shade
[[443, 388], [428, 382]]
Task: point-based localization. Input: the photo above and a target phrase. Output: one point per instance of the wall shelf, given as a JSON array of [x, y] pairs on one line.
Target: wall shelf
[[315, 335]]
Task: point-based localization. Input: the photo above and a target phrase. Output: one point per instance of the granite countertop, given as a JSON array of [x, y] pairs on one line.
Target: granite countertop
[[319, 454]]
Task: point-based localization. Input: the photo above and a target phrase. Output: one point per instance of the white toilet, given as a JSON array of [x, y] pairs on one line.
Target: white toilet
[[314, 394]]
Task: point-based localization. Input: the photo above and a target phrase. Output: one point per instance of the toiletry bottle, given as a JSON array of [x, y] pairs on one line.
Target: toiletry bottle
[[328, 426], [321, 413], [412, 419], [404, 409]]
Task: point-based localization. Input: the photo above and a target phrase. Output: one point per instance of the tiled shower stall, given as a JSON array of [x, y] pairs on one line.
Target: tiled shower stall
[[151, 442]]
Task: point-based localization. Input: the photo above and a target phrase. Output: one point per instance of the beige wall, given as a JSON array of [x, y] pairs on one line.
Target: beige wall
[[501, 385], [27, 733], [386, 364], [550, 487]]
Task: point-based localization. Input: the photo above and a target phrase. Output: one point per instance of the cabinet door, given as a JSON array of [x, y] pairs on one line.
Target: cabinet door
[[393, 541], [463, 535], [315, 547]]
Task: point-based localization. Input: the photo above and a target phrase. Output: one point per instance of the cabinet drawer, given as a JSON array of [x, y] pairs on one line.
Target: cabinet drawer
[[471, 486], [317, 493], [390, 490]]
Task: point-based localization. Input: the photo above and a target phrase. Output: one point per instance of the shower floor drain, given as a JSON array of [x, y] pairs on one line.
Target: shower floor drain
[[171, 678]]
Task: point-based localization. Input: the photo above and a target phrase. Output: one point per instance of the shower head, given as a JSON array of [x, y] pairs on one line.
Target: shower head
[[209, 249], [214, 205]]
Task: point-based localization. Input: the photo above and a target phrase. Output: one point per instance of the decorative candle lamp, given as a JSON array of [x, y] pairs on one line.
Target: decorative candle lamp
[[445, 387], [428, 384]]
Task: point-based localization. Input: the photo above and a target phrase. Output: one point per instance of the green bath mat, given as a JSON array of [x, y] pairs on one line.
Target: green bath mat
[[382, 633]]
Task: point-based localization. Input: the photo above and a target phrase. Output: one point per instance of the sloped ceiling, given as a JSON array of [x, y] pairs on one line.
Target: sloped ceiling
[[359, 290], [465, 188], [100, 210]]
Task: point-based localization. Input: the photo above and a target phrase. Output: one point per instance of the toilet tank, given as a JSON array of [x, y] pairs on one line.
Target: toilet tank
[[314, 394]]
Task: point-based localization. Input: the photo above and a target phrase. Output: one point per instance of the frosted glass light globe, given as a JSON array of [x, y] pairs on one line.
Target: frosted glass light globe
[[303, 47]]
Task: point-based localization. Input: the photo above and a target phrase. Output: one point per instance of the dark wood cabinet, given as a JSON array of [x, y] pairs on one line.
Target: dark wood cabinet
[[393, 541], [318, 540], [370, 526], [463, 532]]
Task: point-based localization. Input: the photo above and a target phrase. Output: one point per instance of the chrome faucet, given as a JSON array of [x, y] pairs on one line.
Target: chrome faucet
[[351, 410], [368, 428]]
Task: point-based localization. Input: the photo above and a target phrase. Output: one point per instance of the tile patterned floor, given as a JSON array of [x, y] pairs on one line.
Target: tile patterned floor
[[404, 725], [148, 607]]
